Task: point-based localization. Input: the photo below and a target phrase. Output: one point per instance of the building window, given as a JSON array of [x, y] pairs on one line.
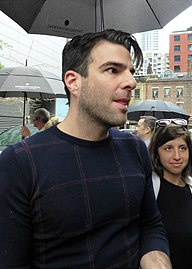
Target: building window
[[180, 104], [190, 57], [190, 47], [177, 38], [177, 58], [155, 92], [167, 92], [179, 92], [177, 48], [168, 74], [137, 94], [177, 68], [190, 37]]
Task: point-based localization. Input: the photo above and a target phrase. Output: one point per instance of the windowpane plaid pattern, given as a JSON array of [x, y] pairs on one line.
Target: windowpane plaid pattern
[[78, 204]]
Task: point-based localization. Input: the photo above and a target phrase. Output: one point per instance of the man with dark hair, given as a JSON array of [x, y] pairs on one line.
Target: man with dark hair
[[145, 128], [80, 195]]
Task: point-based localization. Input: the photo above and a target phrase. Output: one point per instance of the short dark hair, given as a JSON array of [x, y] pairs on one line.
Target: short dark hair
[[149, 121], [77, 51], [161, 136]]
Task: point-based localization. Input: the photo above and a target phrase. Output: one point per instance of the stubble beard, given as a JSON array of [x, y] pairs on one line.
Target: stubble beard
[[95, 111]]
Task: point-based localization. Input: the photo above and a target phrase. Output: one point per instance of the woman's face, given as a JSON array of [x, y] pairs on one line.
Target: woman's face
[[174, 156]]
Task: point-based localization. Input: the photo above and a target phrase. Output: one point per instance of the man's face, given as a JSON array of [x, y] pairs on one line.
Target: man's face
[[141, 130], [106, 91], [35, 121]]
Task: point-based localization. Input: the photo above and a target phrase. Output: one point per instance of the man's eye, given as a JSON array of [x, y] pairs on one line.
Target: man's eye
[[112, 70]]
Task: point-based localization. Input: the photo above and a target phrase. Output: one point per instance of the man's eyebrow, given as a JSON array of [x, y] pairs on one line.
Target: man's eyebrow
[[116, 64]]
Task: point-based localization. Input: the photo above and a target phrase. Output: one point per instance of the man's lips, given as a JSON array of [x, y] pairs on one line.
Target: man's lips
[[122, 101]]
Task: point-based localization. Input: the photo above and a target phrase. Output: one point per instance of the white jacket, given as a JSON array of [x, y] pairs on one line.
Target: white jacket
[[156, 183]]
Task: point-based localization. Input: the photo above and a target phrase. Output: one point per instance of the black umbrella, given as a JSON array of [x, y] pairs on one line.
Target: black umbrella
[[71, 17], [28, 82], [157, 108]]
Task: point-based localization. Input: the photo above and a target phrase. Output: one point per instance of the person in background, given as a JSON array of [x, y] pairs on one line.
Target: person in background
[[81, 193], [52, 121], [145, 127], [171, 156], [41, 120]]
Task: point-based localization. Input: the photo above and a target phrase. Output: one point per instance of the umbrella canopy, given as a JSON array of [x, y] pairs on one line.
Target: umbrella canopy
[[35, 83], [157, 108], [29, 82], [13, 135], [68, 18]]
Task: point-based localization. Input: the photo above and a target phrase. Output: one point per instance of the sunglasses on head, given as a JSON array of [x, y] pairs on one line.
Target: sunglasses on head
[[166, 122]]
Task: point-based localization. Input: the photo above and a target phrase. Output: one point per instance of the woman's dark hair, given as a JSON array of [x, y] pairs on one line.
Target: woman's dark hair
[[161, 136], [76, 53]]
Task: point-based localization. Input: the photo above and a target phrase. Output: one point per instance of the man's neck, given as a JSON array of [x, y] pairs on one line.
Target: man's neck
[[147, 137], [86, 132]]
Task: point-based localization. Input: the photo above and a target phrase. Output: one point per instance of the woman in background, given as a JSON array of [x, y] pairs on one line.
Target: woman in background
[[171, 156]]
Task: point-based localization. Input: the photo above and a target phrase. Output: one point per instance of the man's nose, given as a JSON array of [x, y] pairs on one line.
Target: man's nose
[[129, 81]]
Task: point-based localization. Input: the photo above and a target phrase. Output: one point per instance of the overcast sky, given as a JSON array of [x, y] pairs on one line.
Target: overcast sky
[[181, 22]]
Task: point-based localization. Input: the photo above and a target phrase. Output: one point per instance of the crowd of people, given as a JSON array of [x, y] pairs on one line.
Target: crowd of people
[[83, 195]]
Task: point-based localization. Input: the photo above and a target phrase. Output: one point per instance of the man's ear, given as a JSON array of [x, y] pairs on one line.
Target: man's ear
[[148, 130], [72, 81]]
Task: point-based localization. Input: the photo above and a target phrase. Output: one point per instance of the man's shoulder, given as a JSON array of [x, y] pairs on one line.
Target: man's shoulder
[[118, 135], [133, 144], [34, 141]]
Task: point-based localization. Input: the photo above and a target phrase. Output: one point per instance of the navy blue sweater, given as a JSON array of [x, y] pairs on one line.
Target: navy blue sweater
[[70, 203]]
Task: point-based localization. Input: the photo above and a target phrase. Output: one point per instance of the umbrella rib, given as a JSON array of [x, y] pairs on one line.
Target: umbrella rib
[[4, 94], [102, 15], [153, 13], [102, 26], [95, 15]]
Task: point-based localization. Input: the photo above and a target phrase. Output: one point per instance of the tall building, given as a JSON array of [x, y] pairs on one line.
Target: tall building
[[180, 51], [155, 63], [149, 41]]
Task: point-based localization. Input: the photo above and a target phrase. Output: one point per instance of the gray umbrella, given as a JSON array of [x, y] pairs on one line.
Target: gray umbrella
[[28, 82], [157, 108], [71, 17]]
